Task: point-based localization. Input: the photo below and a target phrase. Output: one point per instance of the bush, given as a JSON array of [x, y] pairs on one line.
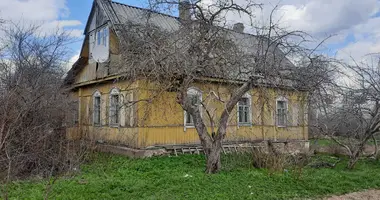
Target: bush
[[276, 161], [272, 159], [33, 105]]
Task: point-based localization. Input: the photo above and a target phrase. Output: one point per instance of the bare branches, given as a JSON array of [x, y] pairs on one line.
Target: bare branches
[[33, 109], [354, 116]]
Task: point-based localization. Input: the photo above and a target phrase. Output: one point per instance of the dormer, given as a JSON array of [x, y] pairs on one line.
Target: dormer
[[97, 33]]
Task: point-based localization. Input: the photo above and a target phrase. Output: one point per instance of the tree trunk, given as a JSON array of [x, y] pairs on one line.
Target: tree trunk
[[355, 157], [376, 148], [351, 163], [213, 157]]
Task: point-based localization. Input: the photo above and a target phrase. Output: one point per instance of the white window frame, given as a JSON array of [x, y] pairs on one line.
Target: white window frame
[[96, 94], [114, 92], [192, 91], [249, 123], [105, 35], [102, 35], [99, 36], [282, 99]]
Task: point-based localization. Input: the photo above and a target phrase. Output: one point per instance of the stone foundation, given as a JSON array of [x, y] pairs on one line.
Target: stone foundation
[[130, 152], [296, 146]]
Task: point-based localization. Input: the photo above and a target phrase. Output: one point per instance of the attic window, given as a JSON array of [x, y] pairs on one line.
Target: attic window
[[99, 44], [99, 36], [102, 36]]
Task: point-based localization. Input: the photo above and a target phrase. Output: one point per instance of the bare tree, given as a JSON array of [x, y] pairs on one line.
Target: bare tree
[[351, 117], [202, 49]]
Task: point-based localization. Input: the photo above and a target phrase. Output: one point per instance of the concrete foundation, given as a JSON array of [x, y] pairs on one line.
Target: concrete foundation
[[296, 146]]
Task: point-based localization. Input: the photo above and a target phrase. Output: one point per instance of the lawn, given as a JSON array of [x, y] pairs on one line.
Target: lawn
[[322, 142], [114, 177]]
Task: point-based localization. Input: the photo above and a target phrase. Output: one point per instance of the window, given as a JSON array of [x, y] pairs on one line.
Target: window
[[105, 36], [114, 107], [195, 96], [96, 113], [99, 36], [244, 110], [282, 109], [102, 36], [99, 44], [91, 44]]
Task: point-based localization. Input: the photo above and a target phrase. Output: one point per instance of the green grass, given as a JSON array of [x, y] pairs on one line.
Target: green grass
[[322, 142], [116, 177]]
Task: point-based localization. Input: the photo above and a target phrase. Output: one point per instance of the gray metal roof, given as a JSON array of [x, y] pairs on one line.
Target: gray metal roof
[[126, 13]]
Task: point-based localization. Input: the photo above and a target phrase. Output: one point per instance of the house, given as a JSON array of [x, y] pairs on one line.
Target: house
[[98, 91]]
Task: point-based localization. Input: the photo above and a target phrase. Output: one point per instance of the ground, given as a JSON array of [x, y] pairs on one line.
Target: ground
[[364, 195], [108, 176]]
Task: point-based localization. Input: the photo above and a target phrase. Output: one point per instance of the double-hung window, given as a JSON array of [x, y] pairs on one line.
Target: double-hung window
[[195, 98], [244, 111], [114, 112], [281, 112]]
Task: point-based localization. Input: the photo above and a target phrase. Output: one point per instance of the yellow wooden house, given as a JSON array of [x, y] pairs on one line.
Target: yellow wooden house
[[96, 87]]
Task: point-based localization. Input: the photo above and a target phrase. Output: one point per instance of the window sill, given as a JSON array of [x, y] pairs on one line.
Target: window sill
[[245, 124], [114, 126]]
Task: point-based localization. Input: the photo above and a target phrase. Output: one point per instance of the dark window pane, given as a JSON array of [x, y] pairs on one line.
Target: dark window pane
[[281, 113], [97, 110], [243, 110], [114, 109]]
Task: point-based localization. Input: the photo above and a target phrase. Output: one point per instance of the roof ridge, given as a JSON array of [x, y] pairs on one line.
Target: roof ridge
[[145, 9]]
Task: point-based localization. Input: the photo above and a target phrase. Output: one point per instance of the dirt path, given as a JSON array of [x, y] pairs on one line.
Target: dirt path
[[363, 195]]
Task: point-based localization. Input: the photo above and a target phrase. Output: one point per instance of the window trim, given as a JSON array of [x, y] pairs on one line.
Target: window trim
[[97, 94], [192, 91], [249, 123], [281, 98], [114, 92]]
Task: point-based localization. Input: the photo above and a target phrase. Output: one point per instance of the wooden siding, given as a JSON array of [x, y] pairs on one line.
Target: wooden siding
[[161, 121]]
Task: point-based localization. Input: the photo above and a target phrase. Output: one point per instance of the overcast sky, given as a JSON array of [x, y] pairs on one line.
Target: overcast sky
[[356, 23]]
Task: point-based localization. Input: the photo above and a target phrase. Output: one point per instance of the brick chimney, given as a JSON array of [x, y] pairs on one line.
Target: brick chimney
[[239, 27], [184, 10]]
